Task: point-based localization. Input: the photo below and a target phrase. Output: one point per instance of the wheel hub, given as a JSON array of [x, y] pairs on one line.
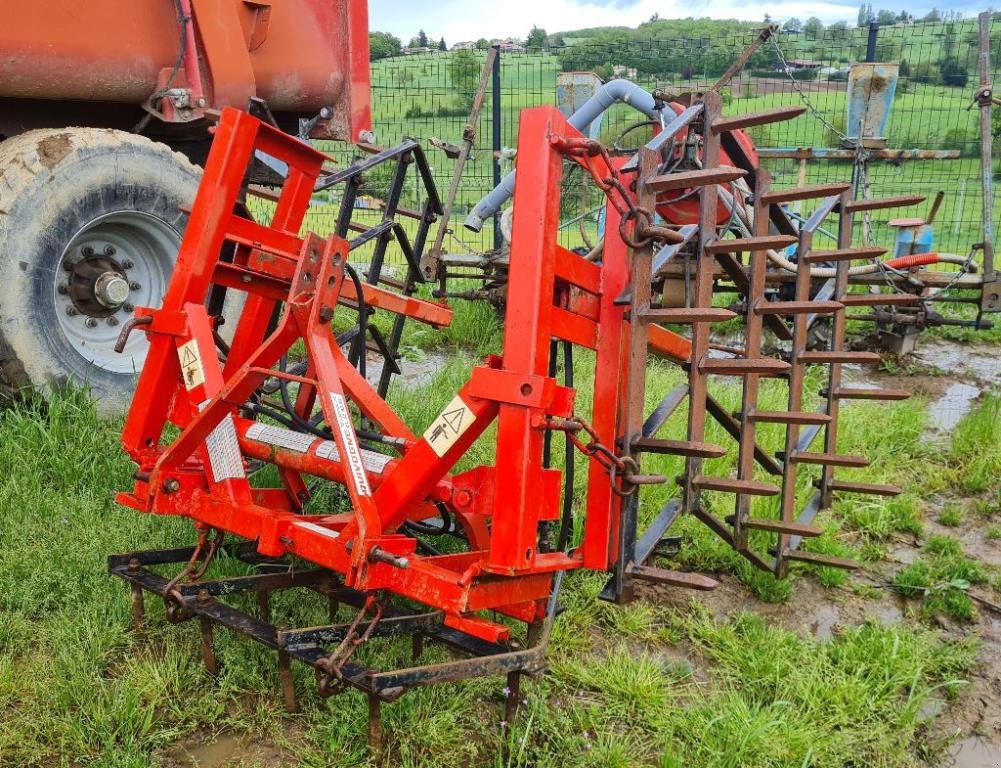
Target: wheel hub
[[114, 264], [98, 286]]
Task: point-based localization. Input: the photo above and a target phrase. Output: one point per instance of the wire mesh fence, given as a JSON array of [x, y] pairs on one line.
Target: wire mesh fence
[[428, 97]]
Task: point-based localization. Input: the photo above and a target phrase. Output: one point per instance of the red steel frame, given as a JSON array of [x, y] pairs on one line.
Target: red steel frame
[[553, 294]]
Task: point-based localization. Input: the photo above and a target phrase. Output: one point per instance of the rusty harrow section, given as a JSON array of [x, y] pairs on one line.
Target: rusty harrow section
[[707, 258]]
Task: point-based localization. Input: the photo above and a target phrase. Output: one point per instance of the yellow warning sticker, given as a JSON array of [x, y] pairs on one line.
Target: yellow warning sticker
[[449, 426], [191, 364]]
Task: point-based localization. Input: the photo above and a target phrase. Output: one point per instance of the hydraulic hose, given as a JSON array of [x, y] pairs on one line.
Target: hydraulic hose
[[742, 223], [612, 92]]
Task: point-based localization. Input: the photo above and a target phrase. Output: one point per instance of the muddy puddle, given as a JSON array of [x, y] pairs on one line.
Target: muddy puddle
[[222, 751], [968, 371], [974, 752]]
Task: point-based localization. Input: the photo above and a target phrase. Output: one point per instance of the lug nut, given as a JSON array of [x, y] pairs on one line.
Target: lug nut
[[128, 264], [109, 250], [87, 251], [128, 307], [134, 286], [91, 322], [112, 321], [63, 289], [71, 310]]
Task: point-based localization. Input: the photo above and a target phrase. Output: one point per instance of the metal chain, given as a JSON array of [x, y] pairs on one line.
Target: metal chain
[[802, 94], [618, 467]]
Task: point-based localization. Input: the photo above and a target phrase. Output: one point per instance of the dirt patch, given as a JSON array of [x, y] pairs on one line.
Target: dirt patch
[[223, 751], [52, 149]]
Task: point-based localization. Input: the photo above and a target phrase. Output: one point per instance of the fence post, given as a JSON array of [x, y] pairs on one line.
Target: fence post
[[870, 48], [495, 114]]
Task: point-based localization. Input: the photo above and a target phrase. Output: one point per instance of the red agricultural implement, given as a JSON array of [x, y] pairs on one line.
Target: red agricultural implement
[[197, 428]]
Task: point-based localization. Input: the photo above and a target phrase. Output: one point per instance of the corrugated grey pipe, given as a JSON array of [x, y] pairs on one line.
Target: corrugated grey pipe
[[624, 91]]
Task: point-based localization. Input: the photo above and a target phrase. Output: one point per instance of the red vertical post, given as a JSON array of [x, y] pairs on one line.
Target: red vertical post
[[528, 328], [603, 506]]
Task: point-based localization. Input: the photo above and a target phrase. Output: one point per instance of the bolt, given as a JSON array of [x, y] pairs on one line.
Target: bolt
[[109, 250], [173, 485], [71, 310], [326, 314], [134, 285], [87, 251], [128, 264], [91, 322], [112, 320], [63, 289]]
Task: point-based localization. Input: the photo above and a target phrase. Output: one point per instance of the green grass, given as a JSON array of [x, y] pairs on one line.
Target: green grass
[[639, 685], [976, 446], [79, 688], [942, 577], [951, 515]]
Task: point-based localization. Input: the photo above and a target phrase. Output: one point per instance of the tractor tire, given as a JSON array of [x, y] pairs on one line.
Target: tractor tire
[[90, 224]]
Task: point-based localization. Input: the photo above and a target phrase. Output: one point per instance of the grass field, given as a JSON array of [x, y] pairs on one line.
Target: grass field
[[671, 680], [923, 116]]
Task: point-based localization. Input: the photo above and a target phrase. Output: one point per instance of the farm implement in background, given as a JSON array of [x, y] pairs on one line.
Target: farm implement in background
[[914, 289], [199, 427]]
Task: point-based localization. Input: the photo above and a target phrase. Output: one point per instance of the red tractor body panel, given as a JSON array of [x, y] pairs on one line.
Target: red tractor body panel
[[299, 56]]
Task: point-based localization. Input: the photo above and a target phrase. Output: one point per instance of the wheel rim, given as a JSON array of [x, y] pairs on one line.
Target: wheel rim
[[113, 264]]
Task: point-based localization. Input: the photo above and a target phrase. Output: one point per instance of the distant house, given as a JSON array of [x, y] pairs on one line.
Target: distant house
[[619, 70], [416, 50], [803, 64], [468, 45], [509, 45]]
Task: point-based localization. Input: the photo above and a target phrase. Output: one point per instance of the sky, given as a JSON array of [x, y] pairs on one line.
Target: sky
[[459, 20]]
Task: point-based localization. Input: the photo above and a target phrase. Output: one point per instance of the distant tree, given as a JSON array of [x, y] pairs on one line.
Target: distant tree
[[463, 74], [886, 18], [536, 38], [655, 17], [932, 15], [904, 17], [953, 72], [768, 18], [441, 45], [865, 15], [482, 44], [422, 39], [792, 25], [382, 45], [838, 30], [813, 27], [905, 68]]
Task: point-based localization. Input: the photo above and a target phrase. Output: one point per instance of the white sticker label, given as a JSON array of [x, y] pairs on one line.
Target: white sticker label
[[449, 426], [280, 438], [347, 430], [224, 451], [191, 364], [374, 462], [318, 529]]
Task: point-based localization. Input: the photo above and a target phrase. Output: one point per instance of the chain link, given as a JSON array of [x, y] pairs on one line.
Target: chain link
[[618, 467]]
